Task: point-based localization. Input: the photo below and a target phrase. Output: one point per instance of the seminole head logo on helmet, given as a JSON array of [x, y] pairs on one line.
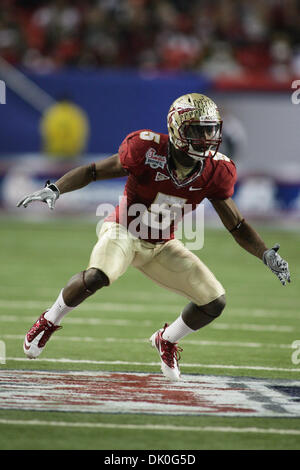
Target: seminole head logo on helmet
[[195, 126]]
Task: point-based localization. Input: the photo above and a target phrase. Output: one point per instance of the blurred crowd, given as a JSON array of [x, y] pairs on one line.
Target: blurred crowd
[[218, 37]]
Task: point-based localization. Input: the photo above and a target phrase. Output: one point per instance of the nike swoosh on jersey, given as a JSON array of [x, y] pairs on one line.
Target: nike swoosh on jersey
[[194, 189]]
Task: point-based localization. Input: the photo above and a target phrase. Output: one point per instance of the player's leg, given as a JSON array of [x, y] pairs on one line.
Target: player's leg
[[81, 286], [179, 270], [110, 258], [194, 317]]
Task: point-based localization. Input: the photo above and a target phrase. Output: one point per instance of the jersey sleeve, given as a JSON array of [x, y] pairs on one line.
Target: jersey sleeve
[[132, 154], [224, 180]]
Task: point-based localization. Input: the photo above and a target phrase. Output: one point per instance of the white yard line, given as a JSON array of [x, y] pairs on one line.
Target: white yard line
[[288, 313], [123, 322], [132, 363], [80, 321], [252, 327], [42, 291], [141, 307], [89, 339], [151, 427], [101, 306]]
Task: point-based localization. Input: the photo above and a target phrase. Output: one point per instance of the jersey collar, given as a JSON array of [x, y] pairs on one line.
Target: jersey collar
[[195, 172]]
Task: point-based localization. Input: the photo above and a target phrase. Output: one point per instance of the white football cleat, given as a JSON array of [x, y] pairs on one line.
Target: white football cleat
[[169, 354], [37, 337]]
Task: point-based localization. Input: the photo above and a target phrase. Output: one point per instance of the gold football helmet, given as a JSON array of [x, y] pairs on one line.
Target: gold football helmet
[[195, 125]]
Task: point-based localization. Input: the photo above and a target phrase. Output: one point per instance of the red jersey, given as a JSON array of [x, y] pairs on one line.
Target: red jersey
[[154, 199]]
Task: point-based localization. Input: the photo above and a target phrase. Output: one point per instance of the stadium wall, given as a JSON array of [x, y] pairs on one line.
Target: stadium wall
[[116, 103], [260, 134]]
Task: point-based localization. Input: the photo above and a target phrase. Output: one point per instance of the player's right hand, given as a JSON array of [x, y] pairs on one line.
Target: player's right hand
[[49, 194], [277, 264]]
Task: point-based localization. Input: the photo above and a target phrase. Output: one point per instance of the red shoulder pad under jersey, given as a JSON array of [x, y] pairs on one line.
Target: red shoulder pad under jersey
[[224, 177], [132, 152]]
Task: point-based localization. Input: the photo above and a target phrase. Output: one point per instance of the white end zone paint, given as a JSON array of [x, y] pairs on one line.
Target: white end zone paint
[[148, 393]]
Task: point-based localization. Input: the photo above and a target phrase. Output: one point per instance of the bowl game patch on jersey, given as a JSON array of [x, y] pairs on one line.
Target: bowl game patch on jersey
[[155, 161]]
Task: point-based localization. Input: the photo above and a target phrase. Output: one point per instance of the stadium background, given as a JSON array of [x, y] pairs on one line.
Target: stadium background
[[81, 75], [124, 62]]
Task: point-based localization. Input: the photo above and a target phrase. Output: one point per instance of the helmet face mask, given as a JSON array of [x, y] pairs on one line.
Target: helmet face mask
[[195, 126], [202, 139]]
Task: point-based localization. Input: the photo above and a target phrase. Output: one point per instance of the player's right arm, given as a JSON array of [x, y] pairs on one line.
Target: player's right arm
[[75, 179]]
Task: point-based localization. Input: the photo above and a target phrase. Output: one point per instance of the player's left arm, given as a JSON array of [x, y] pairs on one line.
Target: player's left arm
[[242, 232], [248, 238]]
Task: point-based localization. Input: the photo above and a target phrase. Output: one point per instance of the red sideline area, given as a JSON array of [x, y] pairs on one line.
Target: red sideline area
[[253, 82]]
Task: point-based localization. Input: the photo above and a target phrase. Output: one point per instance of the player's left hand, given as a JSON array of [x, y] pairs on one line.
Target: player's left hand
[[277, 265]]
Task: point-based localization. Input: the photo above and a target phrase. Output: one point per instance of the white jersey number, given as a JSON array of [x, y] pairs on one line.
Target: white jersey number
[[148, 135], [164, 210]]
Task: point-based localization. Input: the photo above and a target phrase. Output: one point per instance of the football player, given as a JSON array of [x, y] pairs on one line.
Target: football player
[[180, 168]]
